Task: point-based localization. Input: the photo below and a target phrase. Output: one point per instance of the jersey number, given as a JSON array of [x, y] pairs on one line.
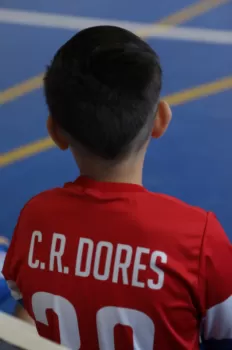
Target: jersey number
[[106, 319]]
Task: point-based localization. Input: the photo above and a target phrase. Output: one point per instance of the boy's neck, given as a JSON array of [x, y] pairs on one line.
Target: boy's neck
[[115, 178], [127, 172]]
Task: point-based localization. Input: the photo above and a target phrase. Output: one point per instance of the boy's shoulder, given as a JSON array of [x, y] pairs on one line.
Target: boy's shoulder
[[168, 203], [176, 206], [43, 201]]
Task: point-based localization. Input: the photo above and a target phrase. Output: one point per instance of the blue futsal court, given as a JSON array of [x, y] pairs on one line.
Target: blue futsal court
[[193, 161]]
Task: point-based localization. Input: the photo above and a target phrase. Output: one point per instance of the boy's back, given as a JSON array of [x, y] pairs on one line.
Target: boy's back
[[112, 266]]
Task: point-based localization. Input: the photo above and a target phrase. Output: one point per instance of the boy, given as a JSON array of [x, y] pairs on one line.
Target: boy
[[102, 263]]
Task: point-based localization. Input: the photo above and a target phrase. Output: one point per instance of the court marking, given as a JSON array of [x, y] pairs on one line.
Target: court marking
[[200, 35], [173, 99], [159, 31], [192, 11], [73, 22], [49, 20], [21, 89], [177, 18]]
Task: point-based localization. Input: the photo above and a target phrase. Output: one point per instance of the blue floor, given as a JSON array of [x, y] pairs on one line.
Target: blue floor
[[193, 161]]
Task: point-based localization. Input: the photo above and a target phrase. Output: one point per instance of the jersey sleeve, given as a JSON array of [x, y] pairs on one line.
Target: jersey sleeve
[[11, 265], [215, 282]]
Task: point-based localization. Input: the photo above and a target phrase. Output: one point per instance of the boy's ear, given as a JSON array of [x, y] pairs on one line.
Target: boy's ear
[[56, 134], [162, 119]]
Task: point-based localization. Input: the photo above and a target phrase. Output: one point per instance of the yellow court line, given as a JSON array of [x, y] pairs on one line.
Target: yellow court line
[[200, 91], [192, 11], [174, 99], [21, 89], [184, 15], [26, 151], [177, 18]]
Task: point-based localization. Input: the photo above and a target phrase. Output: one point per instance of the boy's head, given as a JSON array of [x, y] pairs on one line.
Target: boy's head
[[102, 89]]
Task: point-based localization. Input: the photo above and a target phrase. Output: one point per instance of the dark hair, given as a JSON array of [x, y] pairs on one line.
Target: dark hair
[[102, 88]]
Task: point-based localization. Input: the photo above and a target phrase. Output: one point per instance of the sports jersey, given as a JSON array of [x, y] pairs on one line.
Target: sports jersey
[[113, 266]]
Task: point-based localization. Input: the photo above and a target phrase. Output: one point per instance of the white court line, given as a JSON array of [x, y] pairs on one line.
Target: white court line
[[193, 34], [60, 21], [150, 31]]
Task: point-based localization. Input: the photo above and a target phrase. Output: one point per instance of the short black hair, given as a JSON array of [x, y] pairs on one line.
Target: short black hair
[[102, 88]]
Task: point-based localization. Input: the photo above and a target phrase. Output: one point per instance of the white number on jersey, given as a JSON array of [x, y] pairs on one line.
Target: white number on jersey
[[106, 319]]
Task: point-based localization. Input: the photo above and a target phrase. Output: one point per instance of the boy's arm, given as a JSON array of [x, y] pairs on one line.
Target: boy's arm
[[215, 283], [19, 312], [23, 315], [10, 267]]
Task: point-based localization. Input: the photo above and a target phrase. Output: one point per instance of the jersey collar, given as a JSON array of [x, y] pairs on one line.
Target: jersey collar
[[87, 182]]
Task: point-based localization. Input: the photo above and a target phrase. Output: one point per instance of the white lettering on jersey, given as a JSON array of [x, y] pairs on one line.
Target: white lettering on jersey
[[138, 266], [163, 257], [36, 235], [57, 251], [89, 245], [123, 266], [121, 263], [107, 263]]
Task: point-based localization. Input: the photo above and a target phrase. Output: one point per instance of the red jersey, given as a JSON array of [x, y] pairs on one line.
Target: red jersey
[[112, 266]]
